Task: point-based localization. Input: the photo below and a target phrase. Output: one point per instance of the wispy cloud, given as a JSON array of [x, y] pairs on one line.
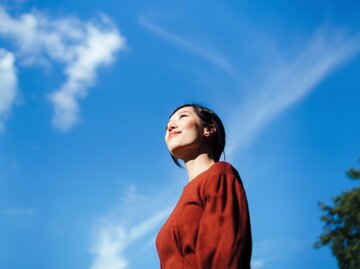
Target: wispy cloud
[[115, 233], [81, 47], [211, 56], [8, 85], [292, 74], [289, 81]]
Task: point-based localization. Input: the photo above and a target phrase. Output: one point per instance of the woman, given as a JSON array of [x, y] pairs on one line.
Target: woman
[[210, 227]]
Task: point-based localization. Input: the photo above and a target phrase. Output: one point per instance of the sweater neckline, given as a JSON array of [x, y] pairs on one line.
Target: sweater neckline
[[202, 173]]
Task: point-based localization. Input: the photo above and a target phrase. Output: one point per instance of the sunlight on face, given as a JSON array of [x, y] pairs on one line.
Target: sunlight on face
[[184, 133]]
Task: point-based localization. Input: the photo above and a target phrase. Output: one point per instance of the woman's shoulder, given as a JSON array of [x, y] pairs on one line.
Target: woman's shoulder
[[222, 175], [223, 167], [219, 170]]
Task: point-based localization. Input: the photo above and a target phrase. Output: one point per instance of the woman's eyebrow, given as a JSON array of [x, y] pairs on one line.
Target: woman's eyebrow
[[182, 112], [185, 111]]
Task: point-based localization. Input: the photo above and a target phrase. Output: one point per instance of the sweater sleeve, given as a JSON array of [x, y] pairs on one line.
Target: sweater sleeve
[[224, 238]]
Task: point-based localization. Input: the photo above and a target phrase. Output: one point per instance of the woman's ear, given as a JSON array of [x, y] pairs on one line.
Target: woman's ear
[[210, 130]]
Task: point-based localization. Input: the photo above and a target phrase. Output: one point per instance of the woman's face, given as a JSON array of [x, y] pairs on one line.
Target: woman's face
[[184, 133]]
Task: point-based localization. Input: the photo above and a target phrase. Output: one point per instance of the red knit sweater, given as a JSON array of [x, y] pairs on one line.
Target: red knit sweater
[[210, 226]]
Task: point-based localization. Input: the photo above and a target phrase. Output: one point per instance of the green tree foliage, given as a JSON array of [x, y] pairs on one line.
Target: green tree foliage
[[341, 230]]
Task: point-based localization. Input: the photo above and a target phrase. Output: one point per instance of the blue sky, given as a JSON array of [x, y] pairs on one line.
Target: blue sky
[[85, 93]]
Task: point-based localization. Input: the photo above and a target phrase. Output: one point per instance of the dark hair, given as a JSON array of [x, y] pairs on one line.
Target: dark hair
[[207, 117]]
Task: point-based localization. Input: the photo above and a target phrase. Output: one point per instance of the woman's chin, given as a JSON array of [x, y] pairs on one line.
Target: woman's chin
[[178, 153], [184, 152], [184, 155]]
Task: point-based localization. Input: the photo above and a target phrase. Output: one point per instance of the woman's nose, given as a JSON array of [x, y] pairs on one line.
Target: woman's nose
[[171, 126]]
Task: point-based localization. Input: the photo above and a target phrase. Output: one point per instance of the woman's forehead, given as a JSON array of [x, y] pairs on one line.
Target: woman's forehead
[[186, 109]]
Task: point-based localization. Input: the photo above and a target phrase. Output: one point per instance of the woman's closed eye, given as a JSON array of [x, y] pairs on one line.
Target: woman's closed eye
[[182, 116]]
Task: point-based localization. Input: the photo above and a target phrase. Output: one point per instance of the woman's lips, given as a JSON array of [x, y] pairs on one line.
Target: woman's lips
[[173, 133]]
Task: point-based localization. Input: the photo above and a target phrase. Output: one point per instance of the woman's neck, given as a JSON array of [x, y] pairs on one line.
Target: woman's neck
[[198, 165]]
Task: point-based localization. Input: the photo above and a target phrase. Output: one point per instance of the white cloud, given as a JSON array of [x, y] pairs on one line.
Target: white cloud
[[110, 242], [209, 55], [8, 85], [113, 237], [289, 81], [116, 233], [99, 48], [81, 47]]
